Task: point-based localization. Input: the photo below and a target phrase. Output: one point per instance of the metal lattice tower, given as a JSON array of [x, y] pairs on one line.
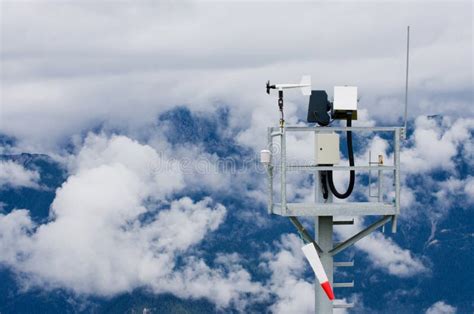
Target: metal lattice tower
[[323, 210]]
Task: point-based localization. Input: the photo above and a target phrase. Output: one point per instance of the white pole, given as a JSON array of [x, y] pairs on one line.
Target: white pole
[[406, 81]]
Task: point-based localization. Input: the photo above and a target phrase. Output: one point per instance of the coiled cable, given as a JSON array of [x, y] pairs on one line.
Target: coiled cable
[[350, 152]]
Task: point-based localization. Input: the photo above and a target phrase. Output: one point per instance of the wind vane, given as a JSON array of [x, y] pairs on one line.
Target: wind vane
[[305, 86]]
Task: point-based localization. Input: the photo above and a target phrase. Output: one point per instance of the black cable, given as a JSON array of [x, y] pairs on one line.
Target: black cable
[[324, 185], [351, 163]]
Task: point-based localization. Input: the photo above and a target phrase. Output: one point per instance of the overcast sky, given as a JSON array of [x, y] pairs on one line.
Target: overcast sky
[[67, 67]]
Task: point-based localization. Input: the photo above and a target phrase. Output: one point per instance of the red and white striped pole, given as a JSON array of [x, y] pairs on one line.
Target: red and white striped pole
[[313, 258]]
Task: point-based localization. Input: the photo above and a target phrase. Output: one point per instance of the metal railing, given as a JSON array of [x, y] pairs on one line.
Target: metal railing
[[359, 208]]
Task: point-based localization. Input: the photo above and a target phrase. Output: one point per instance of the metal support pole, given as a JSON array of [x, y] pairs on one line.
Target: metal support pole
[[283, 170], [379, 186], [270, 172], [370, 174], [270, 189], [324, 232], [394, 223], [323, 235], [405, 116], [397, 168]]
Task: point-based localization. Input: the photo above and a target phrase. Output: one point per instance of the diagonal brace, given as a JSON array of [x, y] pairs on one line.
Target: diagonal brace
[[306, 236], [342, 246]]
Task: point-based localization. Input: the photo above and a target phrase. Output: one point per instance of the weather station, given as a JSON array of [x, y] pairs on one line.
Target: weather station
[[321, 249]]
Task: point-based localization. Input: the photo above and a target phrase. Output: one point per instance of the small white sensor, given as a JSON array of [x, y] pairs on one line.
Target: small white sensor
[[265, 156]]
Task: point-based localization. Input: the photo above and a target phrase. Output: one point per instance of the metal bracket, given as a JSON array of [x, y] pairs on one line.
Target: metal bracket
[[344, 284], [343, 305], [344, 264], [304, 234], [340, 247]]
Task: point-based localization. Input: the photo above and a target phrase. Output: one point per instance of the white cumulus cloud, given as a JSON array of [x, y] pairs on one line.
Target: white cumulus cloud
[[105, 235], [15, 175], [384, 253], [293, 293], [435, 144], [441, 307]]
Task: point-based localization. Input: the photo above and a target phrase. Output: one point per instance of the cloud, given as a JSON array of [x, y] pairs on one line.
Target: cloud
[[383, 253], [469, 188], [152, 168], [441, 308], [86, 76], [15, 175], [287, 265], [435, 144], [435, 165], [225, 284], [114, 227], [13, 242], [194, 221]]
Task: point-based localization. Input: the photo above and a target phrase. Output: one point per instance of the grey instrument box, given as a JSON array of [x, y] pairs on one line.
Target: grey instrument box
[[327, 148]]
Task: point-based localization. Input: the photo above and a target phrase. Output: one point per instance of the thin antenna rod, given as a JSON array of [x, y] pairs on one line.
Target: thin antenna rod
[[406, 78]]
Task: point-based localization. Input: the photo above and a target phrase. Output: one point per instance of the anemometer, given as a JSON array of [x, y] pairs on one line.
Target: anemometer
[[305, 86]]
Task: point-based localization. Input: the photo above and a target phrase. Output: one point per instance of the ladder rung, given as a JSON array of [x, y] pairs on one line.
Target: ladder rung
[[344, 264], [344, 284], [342, 305], [343, 222]]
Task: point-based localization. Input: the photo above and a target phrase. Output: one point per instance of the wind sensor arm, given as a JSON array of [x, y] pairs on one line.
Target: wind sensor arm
[[304, 85]]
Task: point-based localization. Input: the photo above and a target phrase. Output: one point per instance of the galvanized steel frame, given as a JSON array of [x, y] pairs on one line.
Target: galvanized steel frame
[[333, 209], [325, 211]]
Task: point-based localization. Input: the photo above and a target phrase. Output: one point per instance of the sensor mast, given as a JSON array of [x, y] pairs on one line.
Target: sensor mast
[[321, 249]]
